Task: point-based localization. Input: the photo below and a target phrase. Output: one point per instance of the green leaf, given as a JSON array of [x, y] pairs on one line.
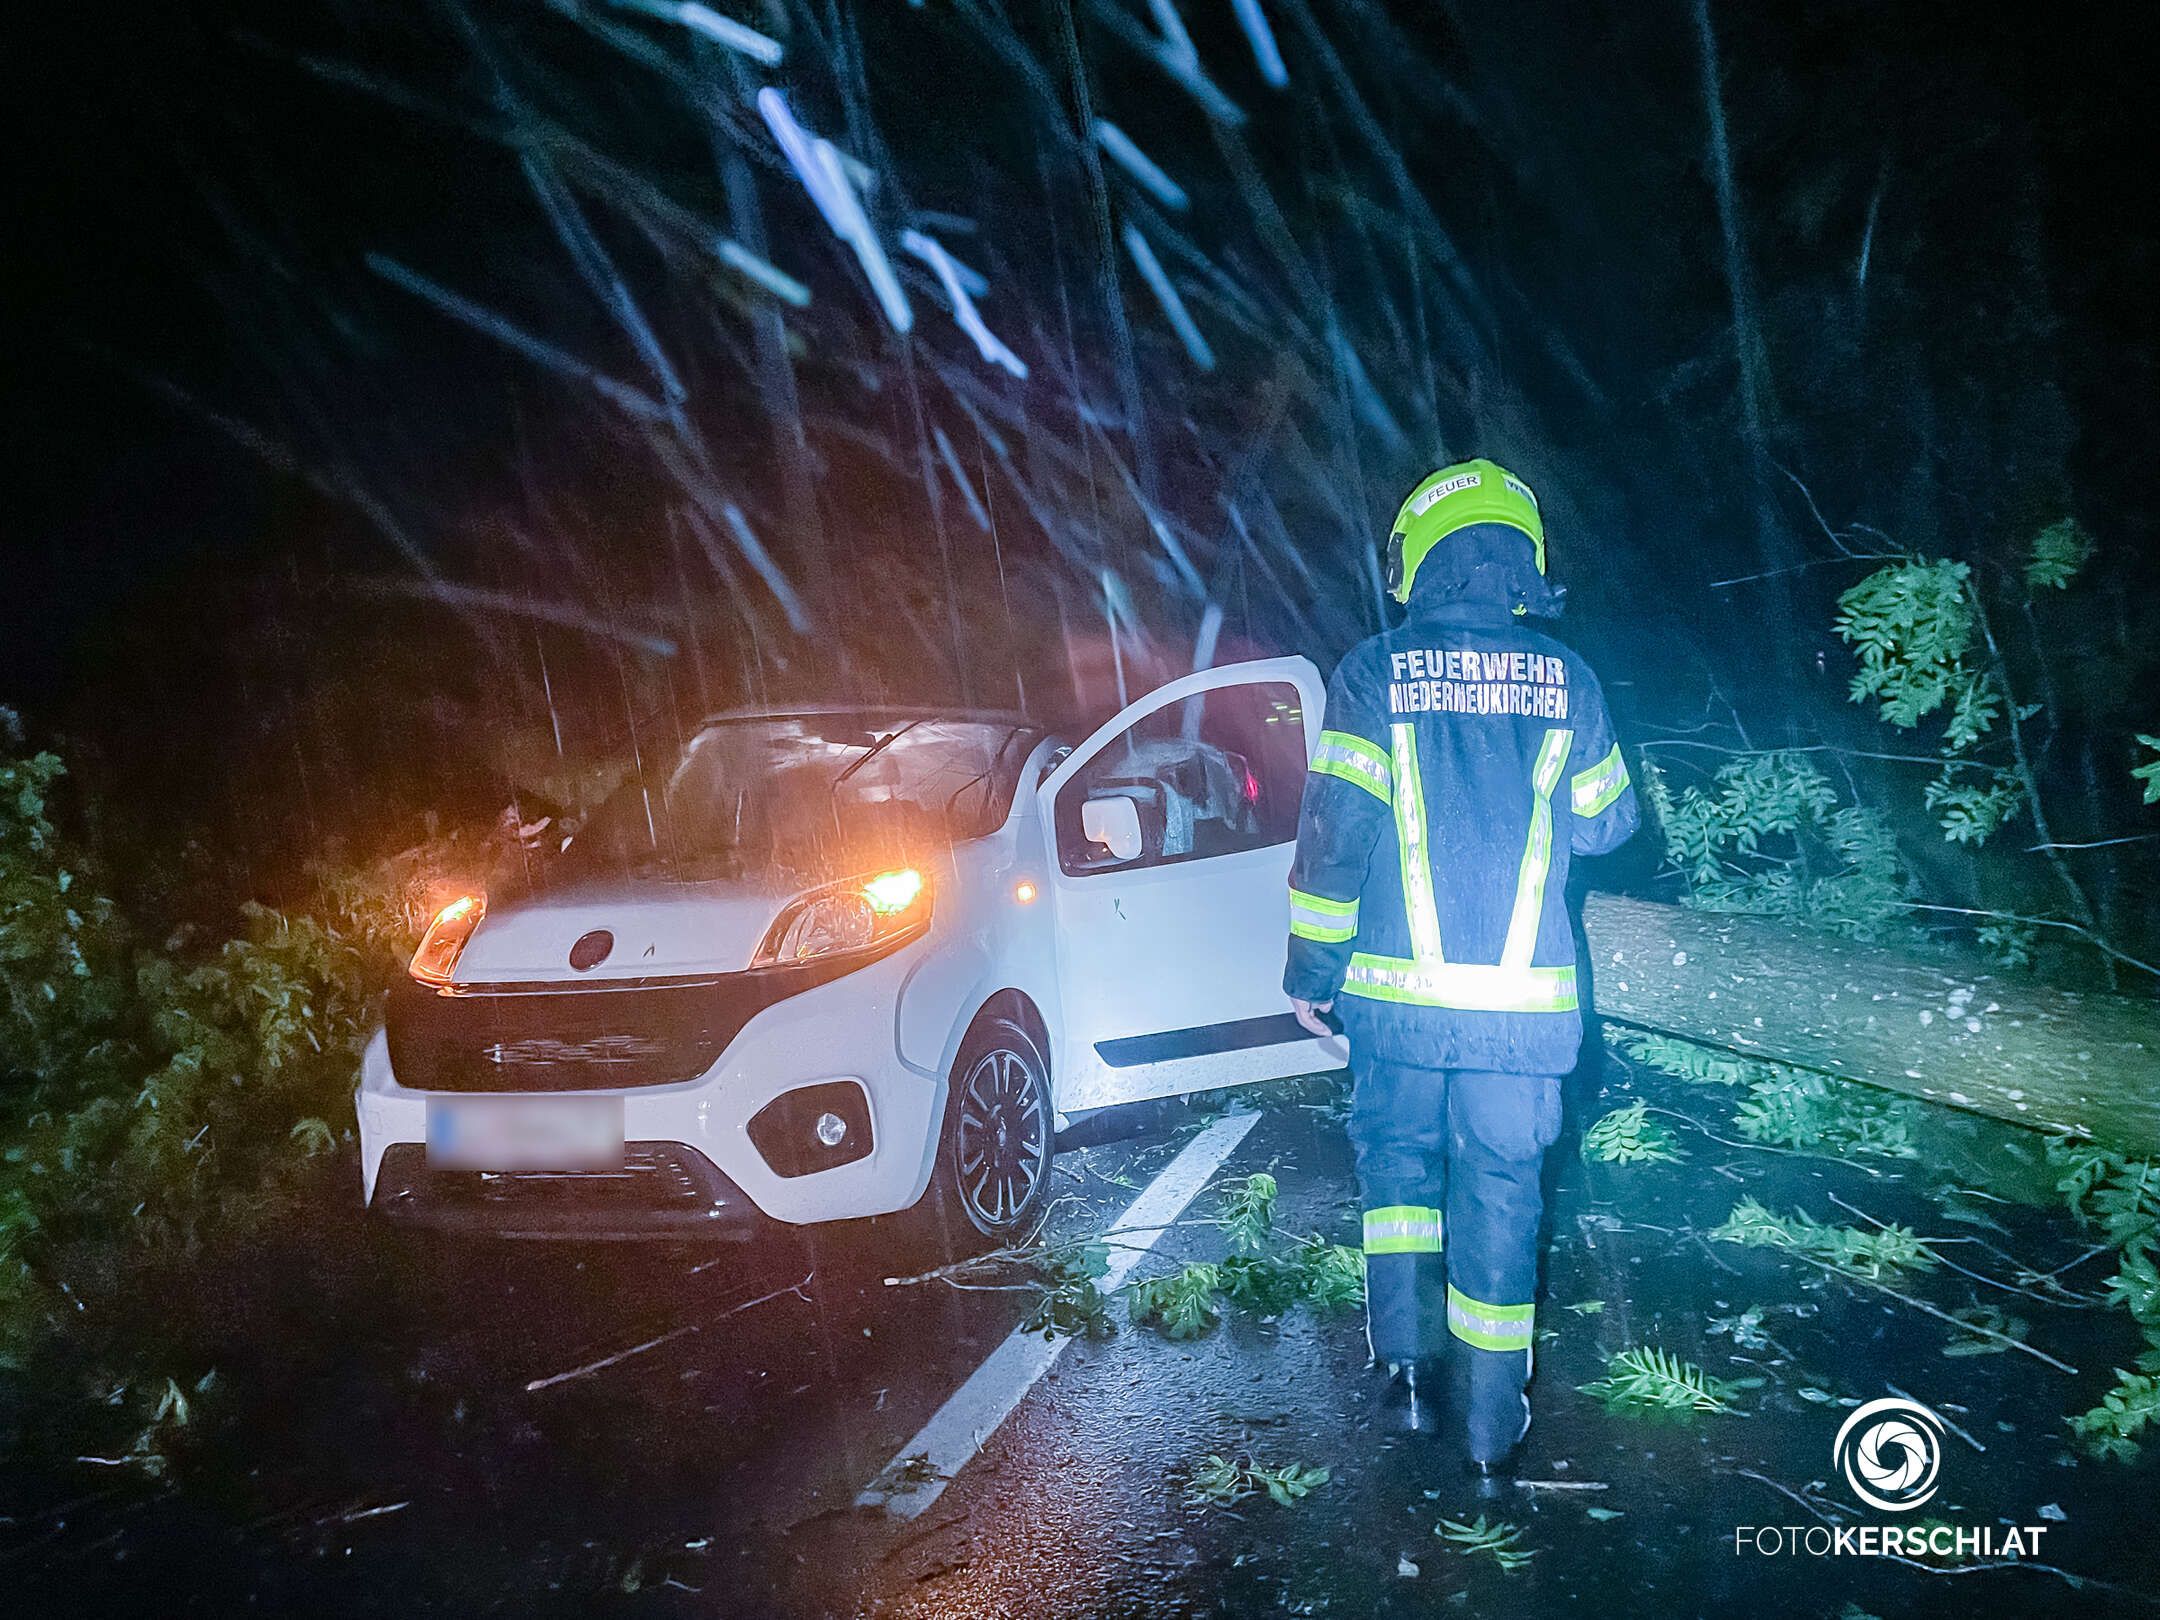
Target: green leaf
[[1224, 1481], [1801, 1108], [1911, 624], [1069, 1303], [2149, 773], [2057, 553], [1647, 1379], [2112, 1429], [1249, 1212], [1872, 1254], [2136, 1287], [1332, 1274], [2008, 942], [1992, 1326], [1684, 1059], [1971, 810], [1768, 835], [1628, 1136], [1216, 1480], [1478, 1538], [1745, 1329], [1181, 1303]]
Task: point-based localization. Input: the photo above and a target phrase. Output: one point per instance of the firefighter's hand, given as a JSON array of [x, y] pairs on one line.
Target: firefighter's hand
[[1308, 1014]]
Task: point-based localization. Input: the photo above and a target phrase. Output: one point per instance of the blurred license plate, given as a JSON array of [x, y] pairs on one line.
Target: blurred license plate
[[525, 1133]]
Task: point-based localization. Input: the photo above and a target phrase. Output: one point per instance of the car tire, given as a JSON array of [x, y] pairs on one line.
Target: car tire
[[991, 1186]]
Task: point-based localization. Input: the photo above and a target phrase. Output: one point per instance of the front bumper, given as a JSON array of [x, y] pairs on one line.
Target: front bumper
[[663, 1190], [692, 1166]]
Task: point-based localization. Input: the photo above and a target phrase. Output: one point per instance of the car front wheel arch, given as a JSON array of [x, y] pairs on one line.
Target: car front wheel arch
[[1018, 1006]]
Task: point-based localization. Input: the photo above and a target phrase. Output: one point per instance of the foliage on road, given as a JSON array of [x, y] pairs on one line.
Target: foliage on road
[[2118, 1198], [1502, 1543], [1628, 1136], [1248, 1216], [2115, 1196], [1878, 1254], [160, 1098], [1266, 1273], [1180, 1303], [1226, 1481], [1785, 1106], [1646, 1379], [1069, 1301]]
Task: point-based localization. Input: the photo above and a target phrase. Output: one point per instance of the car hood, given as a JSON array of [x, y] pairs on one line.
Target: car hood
[[658, 929]]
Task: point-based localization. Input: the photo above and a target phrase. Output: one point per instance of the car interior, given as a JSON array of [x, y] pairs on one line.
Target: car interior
[[1191, 798]]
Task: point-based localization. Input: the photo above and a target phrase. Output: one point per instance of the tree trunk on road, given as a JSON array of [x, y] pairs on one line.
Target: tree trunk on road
[[2052, 1059]]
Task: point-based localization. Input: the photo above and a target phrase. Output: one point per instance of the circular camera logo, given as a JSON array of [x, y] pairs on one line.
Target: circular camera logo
[[1890, 1450]]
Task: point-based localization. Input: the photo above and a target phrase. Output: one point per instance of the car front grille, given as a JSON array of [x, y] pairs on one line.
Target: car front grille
[[595, 1037]]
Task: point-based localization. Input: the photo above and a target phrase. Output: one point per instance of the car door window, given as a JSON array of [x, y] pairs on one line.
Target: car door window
[[1216, 774]]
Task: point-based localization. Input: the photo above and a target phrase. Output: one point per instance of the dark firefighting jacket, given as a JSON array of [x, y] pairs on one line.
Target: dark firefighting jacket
[[1466, 757]]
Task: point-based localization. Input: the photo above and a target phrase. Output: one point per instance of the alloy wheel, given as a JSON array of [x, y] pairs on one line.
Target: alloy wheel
[[1002, 1144]]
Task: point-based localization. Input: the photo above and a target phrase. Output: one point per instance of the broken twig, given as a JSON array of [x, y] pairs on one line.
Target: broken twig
[[1907, 1395], [622, 1356]]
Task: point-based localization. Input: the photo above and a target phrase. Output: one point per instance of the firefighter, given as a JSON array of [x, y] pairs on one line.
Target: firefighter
[[1467, 756]]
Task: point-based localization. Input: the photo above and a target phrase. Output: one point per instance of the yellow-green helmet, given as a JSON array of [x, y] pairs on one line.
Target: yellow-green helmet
[[1454, 498]]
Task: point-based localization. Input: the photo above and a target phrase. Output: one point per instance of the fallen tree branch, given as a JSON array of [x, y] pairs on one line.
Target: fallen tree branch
[[1764, 1147], [1030, 1254], [606, 1362], [621, 1356], [1907, 1395], [1934, 1247], [1932, 1310], [2083, 932]]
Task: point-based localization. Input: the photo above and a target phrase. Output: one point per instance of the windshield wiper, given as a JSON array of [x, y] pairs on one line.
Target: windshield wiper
[[996, 760], [832, 794]]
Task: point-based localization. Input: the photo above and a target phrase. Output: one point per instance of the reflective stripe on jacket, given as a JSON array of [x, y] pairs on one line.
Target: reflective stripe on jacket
[[1466, 758]]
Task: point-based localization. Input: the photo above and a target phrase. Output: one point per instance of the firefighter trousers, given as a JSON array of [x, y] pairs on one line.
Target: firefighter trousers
[[1448, 1164]]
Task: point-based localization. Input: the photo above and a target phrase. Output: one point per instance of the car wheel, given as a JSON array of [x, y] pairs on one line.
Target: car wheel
[[993, 1175]]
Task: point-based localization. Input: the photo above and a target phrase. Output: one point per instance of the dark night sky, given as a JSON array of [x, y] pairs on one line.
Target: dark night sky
[[164, 138]]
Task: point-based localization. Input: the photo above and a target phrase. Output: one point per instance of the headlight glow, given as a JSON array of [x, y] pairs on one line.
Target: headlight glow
[[891, 893], [859, 914], [445, 940]]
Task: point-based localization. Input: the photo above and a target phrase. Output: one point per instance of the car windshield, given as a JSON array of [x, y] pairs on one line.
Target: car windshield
[[807, 794]]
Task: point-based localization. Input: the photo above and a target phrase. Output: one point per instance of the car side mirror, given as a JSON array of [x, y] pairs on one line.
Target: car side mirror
[[1114, 824]]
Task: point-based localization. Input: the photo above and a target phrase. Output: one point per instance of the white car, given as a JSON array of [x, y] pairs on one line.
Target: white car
[[843, 959]]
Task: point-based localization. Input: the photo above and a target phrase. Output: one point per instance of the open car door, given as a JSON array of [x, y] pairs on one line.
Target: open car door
[[1173, 827]]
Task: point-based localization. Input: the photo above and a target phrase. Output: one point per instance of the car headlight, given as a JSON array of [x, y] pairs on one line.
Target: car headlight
[[444, 942], [858, 914]]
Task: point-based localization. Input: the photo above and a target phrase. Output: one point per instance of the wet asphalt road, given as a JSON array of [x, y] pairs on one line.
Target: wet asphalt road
[[440, 1427]]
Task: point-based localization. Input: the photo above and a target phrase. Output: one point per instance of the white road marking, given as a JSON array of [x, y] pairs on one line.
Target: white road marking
[[958, 1430]]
